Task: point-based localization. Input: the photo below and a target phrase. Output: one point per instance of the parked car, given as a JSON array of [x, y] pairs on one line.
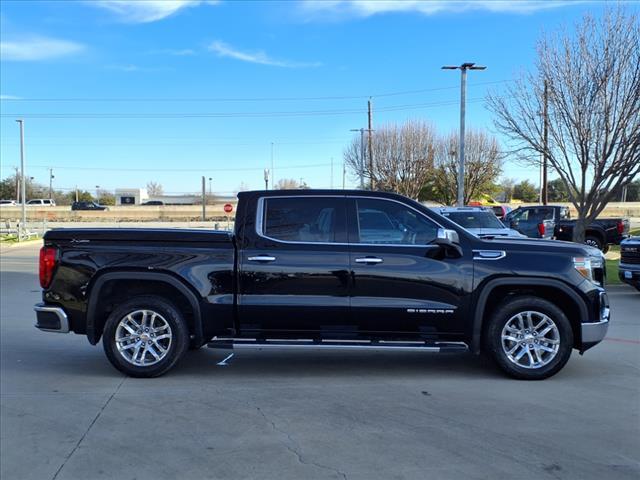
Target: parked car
[[42, 202], [323, 269], [501, 211], [154, 202], [629, 268], [534, 222], [88, 206], [555, 221], [8, 203], [480, 221]]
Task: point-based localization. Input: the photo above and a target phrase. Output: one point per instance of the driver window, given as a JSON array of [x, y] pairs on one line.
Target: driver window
[[391, 223]]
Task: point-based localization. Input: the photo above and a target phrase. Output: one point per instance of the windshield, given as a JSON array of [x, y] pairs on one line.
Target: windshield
[[475, 219]]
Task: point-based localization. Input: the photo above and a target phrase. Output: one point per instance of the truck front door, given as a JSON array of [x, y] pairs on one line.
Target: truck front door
[[402, 284]]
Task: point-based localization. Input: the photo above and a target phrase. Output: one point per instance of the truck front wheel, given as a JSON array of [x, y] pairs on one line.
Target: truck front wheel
[[529, 338], [145, 336]]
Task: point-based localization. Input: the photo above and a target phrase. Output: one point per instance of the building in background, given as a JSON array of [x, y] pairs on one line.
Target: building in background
[[131, 196]]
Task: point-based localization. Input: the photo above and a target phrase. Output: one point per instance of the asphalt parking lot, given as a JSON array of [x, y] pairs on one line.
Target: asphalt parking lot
[[67, 414]]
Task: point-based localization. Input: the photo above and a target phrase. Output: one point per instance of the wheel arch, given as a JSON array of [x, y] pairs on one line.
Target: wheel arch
[[97, 313], [495, 290]]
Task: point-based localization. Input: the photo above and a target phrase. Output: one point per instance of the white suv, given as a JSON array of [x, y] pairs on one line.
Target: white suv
[[42, 202]]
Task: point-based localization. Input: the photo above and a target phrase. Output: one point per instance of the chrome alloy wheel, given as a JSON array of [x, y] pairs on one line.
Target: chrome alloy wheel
[[143, 337], [530, 339]]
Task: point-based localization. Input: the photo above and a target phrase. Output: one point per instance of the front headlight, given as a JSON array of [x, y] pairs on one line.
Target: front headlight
[[587, 265]]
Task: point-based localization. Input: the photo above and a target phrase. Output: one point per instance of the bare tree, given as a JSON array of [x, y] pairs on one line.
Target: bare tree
[[507, 185], [290, 184], [593, 84], [403, 157], [154, 189], [483, 165]]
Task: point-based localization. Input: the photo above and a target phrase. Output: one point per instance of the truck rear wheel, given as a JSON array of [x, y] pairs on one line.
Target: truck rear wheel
[[593, 242], [145, 336], [529, 338]]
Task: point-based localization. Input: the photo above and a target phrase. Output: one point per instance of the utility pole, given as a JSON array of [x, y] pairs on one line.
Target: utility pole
[[266, 179], [204, 200], [98, 193], [344, 174], [76, 193], [361, 163], [51, 177], [210, 188], [23, 186], [372, 185], [273, 168], [545, 139], [331, 173], [463, 100]]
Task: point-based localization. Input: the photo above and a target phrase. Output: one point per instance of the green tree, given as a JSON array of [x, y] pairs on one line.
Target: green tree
[[83, 196], [557, 191], [525, 191]]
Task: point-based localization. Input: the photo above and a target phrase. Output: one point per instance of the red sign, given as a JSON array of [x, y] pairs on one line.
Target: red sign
[[228, 208]]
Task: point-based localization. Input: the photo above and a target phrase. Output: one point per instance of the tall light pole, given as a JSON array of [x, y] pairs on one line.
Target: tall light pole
[[209, 188], [463, 100], [266, 179], [23, 184]]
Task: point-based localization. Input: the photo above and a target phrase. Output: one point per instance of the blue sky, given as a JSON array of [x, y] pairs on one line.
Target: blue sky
[[118, 93]]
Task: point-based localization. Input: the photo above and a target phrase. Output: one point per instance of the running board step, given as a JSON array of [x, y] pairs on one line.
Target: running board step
[[437, 347]]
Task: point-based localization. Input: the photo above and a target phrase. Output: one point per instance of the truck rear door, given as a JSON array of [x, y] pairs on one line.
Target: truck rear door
[[294, 267]]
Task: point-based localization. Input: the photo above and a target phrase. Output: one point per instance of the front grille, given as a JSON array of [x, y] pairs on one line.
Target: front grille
[[630, 255]]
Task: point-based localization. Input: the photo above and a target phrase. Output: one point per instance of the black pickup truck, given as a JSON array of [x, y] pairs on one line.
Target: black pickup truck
[[324, 269], [544, 221]]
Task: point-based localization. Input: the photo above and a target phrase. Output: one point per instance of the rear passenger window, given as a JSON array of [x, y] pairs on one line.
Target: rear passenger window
[[304, 219]]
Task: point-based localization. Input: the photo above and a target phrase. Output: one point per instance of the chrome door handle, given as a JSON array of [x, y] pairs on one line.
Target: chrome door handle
[[369, 260], [261, 258]]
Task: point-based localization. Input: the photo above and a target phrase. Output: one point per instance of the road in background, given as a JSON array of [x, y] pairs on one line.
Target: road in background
[[67, 414]]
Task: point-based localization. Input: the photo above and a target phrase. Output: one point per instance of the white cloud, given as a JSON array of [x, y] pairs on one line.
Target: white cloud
[[9, 97], [145, 11], [33, 48], [225, 50], [367, 8]]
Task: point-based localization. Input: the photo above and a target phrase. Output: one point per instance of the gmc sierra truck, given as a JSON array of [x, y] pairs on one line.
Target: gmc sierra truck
[[324, 269]]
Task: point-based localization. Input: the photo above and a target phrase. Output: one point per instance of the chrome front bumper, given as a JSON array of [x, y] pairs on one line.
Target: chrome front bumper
[[51, 319], [596, 331]]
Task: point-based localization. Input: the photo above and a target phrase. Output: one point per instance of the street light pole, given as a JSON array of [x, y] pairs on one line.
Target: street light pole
[[463, 100], [23, 184], [266, 179]]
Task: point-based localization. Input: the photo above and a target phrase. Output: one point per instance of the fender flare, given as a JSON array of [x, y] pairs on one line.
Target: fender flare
[[478, 317], [93, 335]]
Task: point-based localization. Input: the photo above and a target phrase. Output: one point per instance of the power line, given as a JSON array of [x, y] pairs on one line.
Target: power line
[[243, 99], [300, 113]]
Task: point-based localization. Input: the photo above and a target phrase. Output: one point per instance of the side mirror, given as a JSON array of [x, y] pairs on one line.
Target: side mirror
[[449, 243]]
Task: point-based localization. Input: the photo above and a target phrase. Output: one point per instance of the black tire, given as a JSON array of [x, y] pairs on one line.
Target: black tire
[[505, 312], [172, 316], [593, 242]]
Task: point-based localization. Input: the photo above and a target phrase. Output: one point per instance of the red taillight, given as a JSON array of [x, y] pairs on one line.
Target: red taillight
[[48, 260], [541, 229], [620, 227]]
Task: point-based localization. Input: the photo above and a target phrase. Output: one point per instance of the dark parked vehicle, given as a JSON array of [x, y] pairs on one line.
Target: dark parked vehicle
[[534, 222], [555, 221], [323, 269], [87, 206], [501, 211], [153, 202], [629, 268]]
